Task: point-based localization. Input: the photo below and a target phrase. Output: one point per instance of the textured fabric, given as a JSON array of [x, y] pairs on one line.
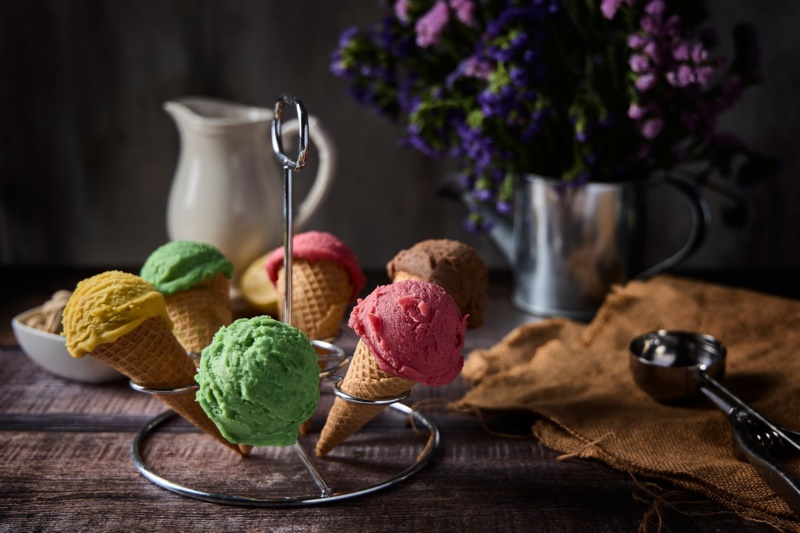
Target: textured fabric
[[577, 377]]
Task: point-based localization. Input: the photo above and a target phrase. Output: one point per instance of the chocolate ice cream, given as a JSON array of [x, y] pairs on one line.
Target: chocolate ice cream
[[452, 265]]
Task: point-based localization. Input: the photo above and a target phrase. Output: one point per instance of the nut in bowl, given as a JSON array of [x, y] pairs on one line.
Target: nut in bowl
[[49, 351]]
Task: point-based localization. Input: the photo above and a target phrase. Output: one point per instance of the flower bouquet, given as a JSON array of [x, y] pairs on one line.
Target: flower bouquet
[[577, 90]]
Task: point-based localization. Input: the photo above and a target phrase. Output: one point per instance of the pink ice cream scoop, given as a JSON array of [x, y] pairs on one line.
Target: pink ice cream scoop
[[316, 246], [414, 329]]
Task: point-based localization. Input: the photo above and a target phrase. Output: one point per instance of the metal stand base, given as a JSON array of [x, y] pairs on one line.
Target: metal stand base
[[327, 494]]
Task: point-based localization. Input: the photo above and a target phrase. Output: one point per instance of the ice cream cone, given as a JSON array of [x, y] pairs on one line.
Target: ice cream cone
[[402, 275], [364, 379], [152, 357], [452, 265], [199, 312], [320, 294]]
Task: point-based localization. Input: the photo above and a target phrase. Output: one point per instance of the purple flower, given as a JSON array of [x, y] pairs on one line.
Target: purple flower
[[504, 207], [609, 8], [682, 77], [401, 10], [635, 112], [518, 76], [704, 75], [475, 223], [348, 35], [499, 86], [681, 52], [652, 128], [477, 68], [416, 139], [636, 41], [651, 49], [646, 82], [699, 53], [649, 24], [337, 65], [464, 11], [656, 8], [497, 103], [639, 63], [431, 24]]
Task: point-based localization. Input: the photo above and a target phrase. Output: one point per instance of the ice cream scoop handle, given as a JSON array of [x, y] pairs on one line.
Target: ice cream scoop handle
[[785, 485]]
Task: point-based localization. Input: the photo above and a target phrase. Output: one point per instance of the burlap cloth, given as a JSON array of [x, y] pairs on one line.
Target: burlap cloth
[[577, 378]]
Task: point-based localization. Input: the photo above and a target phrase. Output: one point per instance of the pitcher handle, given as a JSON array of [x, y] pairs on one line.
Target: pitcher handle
[[326, 150], [700, 218]]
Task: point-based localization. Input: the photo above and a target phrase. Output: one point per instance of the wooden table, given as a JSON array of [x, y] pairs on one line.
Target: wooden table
[[65, 460]]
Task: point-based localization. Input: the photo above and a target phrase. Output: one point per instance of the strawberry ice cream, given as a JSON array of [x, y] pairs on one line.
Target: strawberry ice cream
[[314, 246], [414, 329]]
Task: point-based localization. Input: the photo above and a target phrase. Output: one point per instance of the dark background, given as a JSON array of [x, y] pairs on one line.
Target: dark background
[[87, 153]]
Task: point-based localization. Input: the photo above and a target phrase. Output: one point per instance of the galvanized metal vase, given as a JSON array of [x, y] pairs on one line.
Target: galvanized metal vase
[[569, 244]]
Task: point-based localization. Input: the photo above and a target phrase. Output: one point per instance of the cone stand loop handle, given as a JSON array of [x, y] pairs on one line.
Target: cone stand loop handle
[[277, 137], [288, 167]]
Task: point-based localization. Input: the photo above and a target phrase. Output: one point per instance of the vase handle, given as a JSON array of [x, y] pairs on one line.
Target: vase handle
[[700, 218]]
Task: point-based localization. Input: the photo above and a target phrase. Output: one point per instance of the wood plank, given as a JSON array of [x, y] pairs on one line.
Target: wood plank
[[65, 464], [89, 482]]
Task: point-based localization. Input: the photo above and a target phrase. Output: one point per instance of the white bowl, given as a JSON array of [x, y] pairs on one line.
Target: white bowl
[[49, 351]]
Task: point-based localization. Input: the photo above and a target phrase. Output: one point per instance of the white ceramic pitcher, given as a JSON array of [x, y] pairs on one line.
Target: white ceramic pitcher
[[227, 188]]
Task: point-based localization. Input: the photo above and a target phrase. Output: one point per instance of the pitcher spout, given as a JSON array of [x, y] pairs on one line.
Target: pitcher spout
[[209, 113], [179, 111]]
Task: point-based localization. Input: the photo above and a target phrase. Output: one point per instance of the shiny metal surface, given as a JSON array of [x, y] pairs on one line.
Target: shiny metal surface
[[337, 390], [662, 361], [326, 491], [166, 392], [691, 364], [288, 166], [571, 243]]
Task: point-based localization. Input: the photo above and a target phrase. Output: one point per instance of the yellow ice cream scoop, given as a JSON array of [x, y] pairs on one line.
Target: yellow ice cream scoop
[[105, 307]]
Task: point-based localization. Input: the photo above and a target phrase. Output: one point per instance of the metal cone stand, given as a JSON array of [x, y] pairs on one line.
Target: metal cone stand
[[326, 493]]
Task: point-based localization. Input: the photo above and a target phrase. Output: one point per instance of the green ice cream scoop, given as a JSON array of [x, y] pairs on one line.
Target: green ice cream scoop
[[259, 380], [180, 265]]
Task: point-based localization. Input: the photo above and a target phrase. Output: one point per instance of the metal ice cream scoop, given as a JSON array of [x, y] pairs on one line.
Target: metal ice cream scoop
[[678, 365]]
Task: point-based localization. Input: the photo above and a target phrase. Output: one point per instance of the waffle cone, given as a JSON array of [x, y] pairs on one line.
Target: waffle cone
[[199, 312], [402, 275], [364, 379], [320, 295], [152, 357]]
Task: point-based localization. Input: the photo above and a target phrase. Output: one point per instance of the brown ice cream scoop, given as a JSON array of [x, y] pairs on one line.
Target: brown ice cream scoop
[[452, 265]]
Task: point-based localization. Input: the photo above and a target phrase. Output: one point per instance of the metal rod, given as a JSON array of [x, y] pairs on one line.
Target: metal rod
[[288, 233], [325, 490], [288, 167]]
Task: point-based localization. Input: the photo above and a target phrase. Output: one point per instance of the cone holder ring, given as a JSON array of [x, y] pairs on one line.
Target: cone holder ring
[[364, 401], [325, 493]]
